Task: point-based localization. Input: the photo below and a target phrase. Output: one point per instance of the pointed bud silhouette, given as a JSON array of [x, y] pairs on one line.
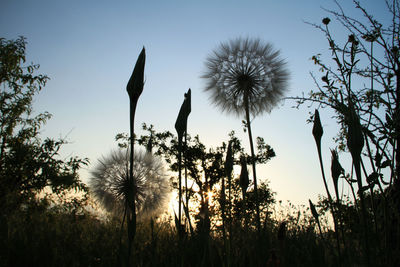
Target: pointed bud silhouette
[[181, 121], [136, 81], [336, 170], [317, 130], [229, 161], [244, 176], [355, 137]]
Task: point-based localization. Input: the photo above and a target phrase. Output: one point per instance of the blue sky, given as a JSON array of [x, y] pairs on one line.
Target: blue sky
[[89, 48]]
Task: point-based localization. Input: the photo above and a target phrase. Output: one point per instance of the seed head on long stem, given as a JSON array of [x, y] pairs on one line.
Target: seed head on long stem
[[111, 185], [246, 70]]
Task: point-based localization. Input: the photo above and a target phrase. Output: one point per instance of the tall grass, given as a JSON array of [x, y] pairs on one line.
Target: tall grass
[[43, 236]]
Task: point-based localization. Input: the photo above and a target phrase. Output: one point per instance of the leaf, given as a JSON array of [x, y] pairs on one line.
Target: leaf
[[372, 179], [385, 164]]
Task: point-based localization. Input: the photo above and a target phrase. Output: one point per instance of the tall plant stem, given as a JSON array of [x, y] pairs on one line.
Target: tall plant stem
[[320, 230], [372, 198], [223, 209], [253, 162], [230, 221], [131, 218], [397, 130], [357, 168], [329, 199], [223, 218], [180, 189], [186, 182]]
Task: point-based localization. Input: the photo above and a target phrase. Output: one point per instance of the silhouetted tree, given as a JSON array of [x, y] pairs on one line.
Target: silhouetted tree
[[28, 165], [206, 167]]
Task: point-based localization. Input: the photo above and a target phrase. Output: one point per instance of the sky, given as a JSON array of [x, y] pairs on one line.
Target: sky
[[89, 48]]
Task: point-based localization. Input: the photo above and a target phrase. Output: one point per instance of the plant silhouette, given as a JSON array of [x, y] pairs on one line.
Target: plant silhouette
[[246, 77], [181, 128], [110, 182], [134, 89]]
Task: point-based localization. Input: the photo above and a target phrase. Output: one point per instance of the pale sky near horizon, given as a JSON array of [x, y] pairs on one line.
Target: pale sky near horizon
[[89, 48]]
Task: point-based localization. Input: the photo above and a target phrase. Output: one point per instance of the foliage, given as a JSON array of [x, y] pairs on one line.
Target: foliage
[[27, 164], [361, 88], [205, 167], [40, 235], [360, 85], [363, 77], [30, 167]]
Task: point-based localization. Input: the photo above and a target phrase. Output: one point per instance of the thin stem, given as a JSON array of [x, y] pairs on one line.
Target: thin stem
[[186, 175], [253, 162], [329, 198], [223, 209], [357, 168], [180, 187], [131, 215]]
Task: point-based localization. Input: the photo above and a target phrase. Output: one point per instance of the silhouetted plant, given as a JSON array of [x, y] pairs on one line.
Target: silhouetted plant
[[181, 128], [228, 166], [317, 132], [206, 167], [110, 183], [28, 164], [246, 77], [316, 216], [336, 171], [134, 89], [361, 87], [244, 176], [34, 178]]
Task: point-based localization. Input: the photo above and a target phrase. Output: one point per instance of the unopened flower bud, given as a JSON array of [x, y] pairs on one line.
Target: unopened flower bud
[[244, 175], [326, 21], [336, 169], [317, 130]]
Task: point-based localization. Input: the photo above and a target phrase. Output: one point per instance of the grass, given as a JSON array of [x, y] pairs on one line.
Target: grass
[[39, 236]]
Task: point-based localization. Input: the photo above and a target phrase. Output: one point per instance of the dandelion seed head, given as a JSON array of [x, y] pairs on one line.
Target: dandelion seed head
[[245, 69], [111, 185]]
